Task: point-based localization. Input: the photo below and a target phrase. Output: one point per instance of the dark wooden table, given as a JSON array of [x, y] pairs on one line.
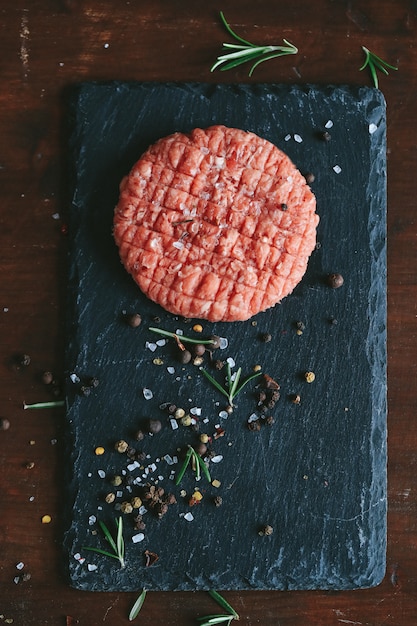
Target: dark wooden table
[[45, 47]]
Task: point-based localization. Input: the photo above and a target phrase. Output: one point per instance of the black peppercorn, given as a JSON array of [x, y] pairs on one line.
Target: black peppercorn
[[198, 349], [154, 426], [215, 342], [266, 337], [185, 356], [47, 378], [284, 206], [310, 178], [24, 360], [4, 424], [326, 136], [335, 280], [134, 320]]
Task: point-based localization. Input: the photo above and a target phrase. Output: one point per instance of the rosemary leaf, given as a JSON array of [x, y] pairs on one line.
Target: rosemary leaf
[[223, 603], [375, 62], [184, 466], [108, 536], [99, 551], [44, 405], [167, 333], [134, 611], [210, 620], [232, 32], [214, 382], [203, 466], [120, 540], [246, 381], [233, 382]]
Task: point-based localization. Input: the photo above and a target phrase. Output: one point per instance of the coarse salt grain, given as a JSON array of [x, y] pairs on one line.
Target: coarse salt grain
[[217, 458], [224, 414], [372, 128], [189, 517], [101, 473], [287, 137], [337, 169], [92, 567], [195, 410], [252, 418], [138, 538], [174, 423], [298, 139], [161, 342], [224, 342], [74, 378], [20, 565], [171, 370], [92, 520], [328, 124], [151, 346], [230, 360], [147, 394]]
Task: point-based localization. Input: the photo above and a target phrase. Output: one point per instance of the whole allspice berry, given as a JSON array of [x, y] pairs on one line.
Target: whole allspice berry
[[134, 320], [335, 280], [154, 426], [266, 531]]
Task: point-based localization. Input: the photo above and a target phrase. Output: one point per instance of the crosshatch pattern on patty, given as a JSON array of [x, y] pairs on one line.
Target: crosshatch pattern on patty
[[218, 224]]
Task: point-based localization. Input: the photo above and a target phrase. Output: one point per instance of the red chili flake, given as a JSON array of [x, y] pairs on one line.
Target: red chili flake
[[220, 432], [64, 229], [150, 558]]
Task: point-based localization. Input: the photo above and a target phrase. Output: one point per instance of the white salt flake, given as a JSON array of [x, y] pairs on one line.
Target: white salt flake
[[217, 458], [328, 124], [174, 423], [92, 520], [147, 394], [16, 580], [119, 494], [161, 342], [231, 361], [133, 466], [298, 139], [252, 418], [195, 410], [20, 565], [337, 169], [56, 216], [168, 458], [224, 415], [179, 331], [101, 473], [77, 556], [171, 370], [74, 378], [138, 538], [372, 128], [150, 345], [287, 137], [92, 567], [224, 342], [178, 244], [189, 517]]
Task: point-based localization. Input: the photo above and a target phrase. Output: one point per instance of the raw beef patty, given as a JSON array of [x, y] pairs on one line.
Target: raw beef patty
[[218, 224]]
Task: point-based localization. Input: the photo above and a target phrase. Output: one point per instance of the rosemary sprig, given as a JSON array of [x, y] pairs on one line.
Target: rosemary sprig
[[232, 387], [117, 544], [199, 466], [134, 611], [44, 405], [181, 338], [375, 63], [246, 51]]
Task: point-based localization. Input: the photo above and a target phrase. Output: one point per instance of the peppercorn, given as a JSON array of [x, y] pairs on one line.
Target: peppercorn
[[199, 349], [266, 337], [139, 436], [4, 424], [85, 391], [179, 413], [300, 325], [24, 360], [134, 320], [186, 420], [326, 136], [154, 426], [201, 448], [269, 420], [284, 206], [161, 508], [139, 523], [99, 450], [92, 382], [310, 178], [131, 452], [136, 502], [184, 356], [309, 376], [126, 507], [218, 364], [204, 438], [335, 280], [266, 531], [215, 342], [218, 501], [30, 465], [110, 497], [116, 481], [170, 499], [47, 378], [296, 399], [121, 446], [255, 425]]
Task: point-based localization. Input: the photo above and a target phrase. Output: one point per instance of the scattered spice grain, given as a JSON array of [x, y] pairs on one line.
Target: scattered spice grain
[[335, 280]]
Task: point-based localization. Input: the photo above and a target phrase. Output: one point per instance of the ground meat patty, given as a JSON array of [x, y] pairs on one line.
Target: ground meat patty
[[217, 224]]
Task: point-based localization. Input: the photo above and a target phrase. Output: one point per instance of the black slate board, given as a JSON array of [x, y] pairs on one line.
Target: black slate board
[[318, 475]]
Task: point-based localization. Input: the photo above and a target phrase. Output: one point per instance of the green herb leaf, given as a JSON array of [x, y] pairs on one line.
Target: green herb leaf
[[118, 546], [233, 388], [44, 405], [375, 63], [184, 466], [223, 603], [247, 51], [203, 467], [214, 382], [180, 338], [211, 620], [134, 612]]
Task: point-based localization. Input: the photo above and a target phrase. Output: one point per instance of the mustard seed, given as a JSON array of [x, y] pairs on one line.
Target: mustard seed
[[121, 446]]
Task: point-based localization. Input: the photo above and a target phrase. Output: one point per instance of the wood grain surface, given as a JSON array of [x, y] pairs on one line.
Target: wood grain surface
[[47, 46]]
